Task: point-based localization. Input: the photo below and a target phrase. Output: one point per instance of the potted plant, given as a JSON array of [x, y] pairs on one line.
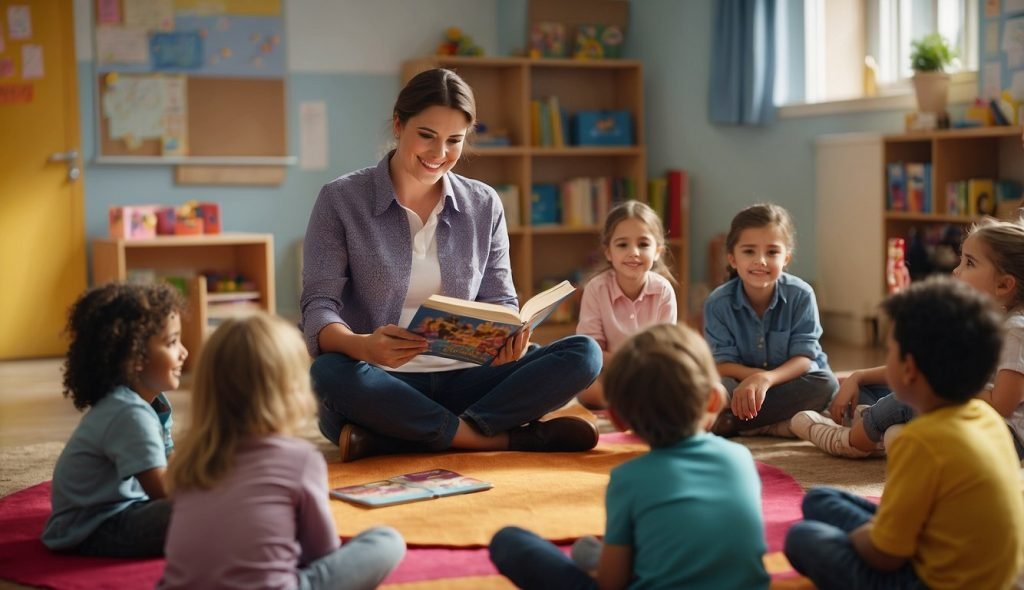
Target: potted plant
[[929, 56]]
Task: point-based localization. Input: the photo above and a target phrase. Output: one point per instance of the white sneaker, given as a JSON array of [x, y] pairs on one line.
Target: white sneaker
[[825, 434], [779, 429], [890, 435]]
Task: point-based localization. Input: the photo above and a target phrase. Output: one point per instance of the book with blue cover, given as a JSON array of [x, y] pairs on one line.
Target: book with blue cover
[[411, 487], [474, 331]]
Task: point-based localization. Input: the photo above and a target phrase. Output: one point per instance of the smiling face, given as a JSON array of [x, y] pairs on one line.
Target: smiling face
[[979, 271], [632, 250], [759, 256], [430, 143], [165, 356]]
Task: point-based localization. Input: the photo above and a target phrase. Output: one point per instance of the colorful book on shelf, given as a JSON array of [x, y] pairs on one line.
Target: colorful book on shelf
[[981, 197], [1008, 199], [411, 487], [676, 198], [544, 204], [897, 185], [474, 331], [509, 195], [547, 39], [918, 178]]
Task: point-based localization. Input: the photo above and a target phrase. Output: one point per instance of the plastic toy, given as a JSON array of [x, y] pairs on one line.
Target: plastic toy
[[456, 43]]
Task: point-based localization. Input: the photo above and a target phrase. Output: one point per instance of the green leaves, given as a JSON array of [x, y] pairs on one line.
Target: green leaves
[[930, 53]]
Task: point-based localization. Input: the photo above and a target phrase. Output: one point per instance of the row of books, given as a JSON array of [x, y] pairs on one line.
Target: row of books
[[549, 123], [910, 187], [670, 199], [983, 196], [578, 201]]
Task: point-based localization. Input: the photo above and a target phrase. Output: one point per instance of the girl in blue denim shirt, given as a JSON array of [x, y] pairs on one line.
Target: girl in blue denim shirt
[[763, 329]]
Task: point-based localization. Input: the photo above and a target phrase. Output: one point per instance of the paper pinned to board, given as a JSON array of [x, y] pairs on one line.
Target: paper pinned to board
[[122, 45], [32, 67], [135, 106], [149, 14], [313, 135], [19, 22]]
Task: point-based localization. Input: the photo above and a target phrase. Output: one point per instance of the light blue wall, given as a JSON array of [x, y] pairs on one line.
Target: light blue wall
[[730, 167], [358, 111]]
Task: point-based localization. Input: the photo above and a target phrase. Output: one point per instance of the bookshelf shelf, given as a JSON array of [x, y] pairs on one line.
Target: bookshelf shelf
[[930, 217], [504, 87]]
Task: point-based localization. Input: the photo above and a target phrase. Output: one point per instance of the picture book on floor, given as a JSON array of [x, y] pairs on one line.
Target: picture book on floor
[[475, 332], [411, 487]]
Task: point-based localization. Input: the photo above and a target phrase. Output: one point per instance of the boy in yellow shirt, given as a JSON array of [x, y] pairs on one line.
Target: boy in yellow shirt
[[951, 515]]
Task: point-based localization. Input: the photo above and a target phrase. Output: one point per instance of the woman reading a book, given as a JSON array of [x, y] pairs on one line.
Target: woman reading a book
[[383, 239]]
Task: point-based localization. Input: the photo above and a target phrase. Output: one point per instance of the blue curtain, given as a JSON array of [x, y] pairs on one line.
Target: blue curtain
[[743, 62]]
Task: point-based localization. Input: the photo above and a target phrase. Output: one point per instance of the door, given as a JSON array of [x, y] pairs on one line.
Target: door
[[42, 233]]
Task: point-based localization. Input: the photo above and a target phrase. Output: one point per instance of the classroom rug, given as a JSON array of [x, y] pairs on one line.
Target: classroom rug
[[25, 560]]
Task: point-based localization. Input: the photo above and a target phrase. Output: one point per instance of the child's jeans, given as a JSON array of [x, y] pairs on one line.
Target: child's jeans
[[137, 531], [362, 563], [810, 391], [886, 412], [532, 562], [819, 547]]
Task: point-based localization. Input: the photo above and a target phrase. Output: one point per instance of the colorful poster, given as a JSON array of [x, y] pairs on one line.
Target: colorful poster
[[176, 51], [108, 12], [121, 45], [19, 22], [32, 62], [6, 68]]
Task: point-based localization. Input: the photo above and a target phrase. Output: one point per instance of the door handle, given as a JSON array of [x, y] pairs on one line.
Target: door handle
[[71, 157]]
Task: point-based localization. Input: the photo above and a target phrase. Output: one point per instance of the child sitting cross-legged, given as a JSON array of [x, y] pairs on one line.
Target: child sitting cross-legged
[[685, 515], [952, 514]]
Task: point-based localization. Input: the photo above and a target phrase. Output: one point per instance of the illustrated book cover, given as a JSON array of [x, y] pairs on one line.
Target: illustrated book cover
[[411, 487], [474, 331]]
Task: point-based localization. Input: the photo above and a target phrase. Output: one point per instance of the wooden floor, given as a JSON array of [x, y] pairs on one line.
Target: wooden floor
[[32, 409]]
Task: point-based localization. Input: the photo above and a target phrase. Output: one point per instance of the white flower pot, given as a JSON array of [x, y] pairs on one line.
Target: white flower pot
[[932, 90]]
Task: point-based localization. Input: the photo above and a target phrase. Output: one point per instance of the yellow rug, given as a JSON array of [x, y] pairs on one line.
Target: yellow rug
[[559, 496]]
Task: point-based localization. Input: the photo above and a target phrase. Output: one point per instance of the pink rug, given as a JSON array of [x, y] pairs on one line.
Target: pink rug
[[25, 560]]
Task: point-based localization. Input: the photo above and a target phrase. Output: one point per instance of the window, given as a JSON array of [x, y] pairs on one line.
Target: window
[[823, 45]]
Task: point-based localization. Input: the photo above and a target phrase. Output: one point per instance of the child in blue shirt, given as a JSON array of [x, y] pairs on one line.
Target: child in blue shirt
[[685, 515], [763, 329], [108, 492]]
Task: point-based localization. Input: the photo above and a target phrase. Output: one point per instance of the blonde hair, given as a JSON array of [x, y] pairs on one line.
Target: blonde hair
[[659, 382], [252, 380], [640, 211], [1005, 243]]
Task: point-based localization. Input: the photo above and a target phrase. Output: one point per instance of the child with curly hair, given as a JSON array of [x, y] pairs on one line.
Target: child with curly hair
[[108, 491]]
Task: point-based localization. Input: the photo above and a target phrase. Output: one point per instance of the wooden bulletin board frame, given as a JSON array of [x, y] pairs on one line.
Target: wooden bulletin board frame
[[232, 65]]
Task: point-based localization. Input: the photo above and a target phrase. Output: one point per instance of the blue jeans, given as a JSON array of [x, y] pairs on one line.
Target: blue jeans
[[819, 547], [137, 531], [810, 391], [532, 562], [361, 563], [425, 408], [886, 412]]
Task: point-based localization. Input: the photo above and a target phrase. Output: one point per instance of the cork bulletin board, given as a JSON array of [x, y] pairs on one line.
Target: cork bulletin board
[[190, 78]]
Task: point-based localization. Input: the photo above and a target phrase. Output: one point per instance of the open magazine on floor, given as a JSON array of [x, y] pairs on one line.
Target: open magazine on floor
[[411, 487]]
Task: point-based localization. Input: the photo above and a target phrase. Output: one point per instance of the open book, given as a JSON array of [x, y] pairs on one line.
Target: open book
[[411, 487], [475, 332]]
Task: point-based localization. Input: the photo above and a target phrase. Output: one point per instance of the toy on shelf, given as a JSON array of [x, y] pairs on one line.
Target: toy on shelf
[[456, 43], [195, 218], [227, 282], [132, 222]]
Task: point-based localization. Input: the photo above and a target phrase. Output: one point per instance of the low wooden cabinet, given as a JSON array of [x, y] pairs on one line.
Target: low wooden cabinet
[[248, 255]]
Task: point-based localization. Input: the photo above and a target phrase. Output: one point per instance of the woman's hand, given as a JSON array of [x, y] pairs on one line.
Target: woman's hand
[[749, 395], [514, 348], [392, 346], [845, 398]]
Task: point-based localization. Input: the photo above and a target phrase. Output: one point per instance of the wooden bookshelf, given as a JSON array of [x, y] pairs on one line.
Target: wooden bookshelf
[[250, 255], [854, 222], [504, 87]]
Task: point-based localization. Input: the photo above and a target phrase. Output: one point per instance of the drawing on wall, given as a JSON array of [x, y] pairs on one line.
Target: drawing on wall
[[1002, 68]]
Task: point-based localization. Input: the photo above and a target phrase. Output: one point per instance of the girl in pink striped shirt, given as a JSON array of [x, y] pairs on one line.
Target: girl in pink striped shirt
[[632, 289]]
